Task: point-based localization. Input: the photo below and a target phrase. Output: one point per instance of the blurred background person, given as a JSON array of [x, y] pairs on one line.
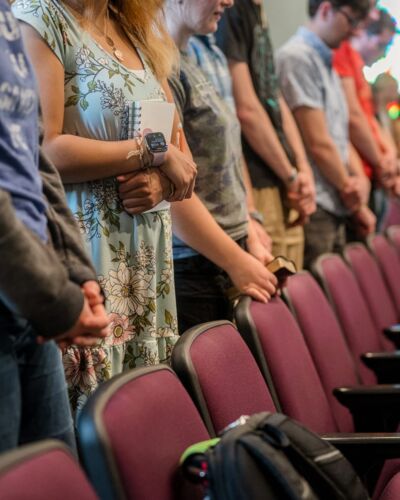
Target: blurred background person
[[387, 105], [314, 94], [375, 147], [273, 149]]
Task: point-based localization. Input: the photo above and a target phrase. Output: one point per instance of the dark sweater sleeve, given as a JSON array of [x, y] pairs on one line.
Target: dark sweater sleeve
[[64, 232], [33, 283]]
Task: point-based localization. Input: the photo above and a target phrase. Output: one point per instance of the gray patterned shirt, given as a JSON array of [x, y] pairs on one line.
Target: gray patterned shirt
[[306, 76], [213, 134]]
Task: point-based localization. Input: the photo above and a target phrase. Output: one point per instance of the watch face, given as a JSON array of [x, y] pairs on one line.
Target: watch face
[[156, 142]]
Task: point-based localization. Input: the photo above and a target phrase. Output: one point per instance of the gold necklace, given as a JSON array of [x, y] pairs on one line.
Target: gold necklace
[[116, 52]]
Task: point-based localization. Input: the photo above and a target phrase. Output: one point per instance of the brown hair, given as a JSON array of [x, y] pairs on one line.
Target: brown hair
[[144, 23], [360, 6]]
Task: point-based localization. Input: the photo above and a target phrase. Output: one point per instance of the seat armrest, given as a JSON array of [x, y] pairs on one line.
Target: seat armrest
[[370, 396], [380, 445], [366, 452], [385, 365], [375, 408], [393, 334]]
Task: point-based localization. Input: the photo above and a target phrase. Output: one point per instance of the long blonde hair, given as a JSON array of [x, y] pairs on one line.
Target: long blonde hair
[[143, 21]]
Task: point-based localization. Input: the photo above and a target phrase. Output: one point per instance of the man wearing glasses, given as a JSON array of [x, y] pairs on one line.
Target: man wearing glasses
[[313, 91], [377, 151]]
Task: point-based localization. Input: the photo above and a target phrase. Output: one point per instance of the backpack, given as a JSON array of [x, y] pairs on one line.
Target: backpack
[[270, 456]]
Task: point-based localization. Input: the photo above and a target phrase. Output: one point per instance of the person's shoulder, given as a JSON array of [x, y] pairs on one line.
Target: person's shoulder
[[51, 20], [38, 9], [295, 48], [295, 53], [204, 48], [197, 47], [344, 59], [190, 69], [44, 15], [345, 49]]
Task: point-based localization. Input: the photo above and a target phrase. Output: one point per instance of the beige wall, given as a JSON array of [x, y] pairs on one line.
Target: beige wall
[[284, 18]]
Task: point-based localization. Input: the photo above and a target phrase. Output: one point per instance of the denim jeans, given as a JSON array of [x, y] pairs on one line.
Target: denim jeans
[[33, 393], [379, 204]]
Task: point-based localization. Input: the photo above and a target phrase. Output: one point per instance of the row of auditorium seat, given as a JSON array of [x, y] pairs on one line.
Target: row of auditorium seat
[[305, 354]]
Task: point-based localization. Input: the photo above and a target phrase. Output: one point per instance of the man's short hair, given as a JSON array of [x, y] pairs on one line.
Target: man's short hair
[[382, 81], [361, 7], [383, 23]]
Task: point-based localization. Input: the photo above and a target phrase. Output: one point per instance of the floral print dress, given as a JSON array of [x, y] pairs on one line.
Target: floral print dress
[[132, 254]]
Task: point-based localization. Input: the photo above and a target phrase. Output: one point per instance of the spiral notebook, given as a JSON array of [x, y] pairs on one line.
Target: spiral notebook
[[153, 116]]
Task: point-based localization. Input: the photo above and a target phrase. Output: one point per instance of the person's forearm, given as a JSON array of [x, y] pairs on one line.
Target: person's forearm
[[329, 162], [251, 206], [361, 134], [262, 137], [79, 159], [386, 139], [294, 138], [362, 139], [193, 224], [355, 163]]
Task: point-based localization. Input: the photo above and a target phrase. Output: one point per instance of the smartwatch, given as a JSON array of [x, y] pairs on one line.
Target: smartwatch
[[156, 146]]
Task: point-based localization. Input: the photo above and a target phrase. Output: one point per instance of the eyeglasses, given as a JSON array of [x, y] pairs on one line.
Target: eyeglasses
[[354, 22]]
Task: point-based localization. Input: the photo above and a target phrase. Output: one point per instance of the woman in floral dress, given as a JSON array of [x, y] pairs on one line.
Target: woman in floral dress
[[92, 58]]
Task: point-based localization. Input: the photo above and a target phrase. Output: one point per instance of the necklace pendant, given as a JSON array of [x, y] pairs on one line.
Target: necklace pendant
[[118, 54]]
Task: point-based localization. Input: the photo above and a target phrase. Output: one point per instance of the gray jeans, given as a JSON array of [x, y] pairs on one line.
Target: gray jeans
[[324, 233]]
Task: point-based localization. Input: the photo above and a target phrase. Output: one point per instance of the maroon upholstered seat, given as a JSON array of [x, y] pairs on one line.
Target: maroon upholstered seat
[[373, 287], [343, 291], [393, 234], [220, 374], [43, 470], [133, 431], [392, 490], [274, 337], [388, 486], [325, 340], [389, 263], [222, 377]]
